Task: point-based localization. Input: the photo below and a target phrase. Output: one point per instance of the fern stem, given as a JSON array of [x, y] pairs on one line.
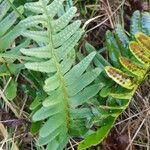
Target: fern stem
[[57, 66], [15, 9]]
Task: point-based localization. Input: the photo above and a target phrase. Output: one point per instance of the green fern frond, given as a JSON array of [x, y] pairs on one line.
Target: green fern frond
[[130, 68], [143, 41], [139, 53], [67, 85], [8, 31]]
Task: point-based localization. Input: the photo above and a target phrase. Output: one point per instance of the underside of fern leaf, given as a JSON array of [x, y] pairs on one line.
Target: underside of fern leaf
[[139, 67], [127, 68], [67, 85]]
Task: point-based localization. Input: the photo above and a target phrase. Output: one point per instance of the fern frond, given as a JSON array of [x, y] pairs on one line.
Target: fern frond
[[146, 23], [121, 78], [8, 31], [67, 85], [130, 68], [140, 51]]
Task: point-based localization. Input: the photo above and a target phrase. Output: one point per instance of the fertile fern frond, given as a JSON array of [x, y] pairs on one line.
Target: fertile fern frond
[[68, 86], [127, 67], [136, 66], [128, 75], [140, 67]]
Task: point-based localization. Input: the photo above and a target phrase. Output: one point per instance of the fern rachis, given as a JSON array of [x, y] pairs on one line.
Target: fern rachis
[[138, 70]]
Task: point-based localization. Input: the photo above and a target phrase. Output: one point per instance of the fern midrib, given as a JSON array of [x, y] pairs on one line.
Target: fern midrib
[[61, 78]]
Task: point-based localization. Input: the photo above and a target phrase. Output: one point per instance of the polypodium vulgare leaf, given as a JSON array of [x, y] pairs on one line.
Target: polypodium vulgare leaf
[[120, 77], [127, 75], [132, 73], [67, 85]]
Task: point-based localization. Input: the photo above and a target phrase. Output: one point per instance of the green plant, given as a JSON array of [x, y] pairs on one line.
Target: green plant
[[133, 70], [69, 104], [67, 85], [8, 31], [127, 68]]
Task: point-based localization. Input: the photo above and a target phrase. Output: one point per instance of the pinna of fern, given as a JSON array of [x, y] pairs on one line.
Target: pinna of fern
[[129, 57], [68, 86], [140, 22], [133, 70]]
